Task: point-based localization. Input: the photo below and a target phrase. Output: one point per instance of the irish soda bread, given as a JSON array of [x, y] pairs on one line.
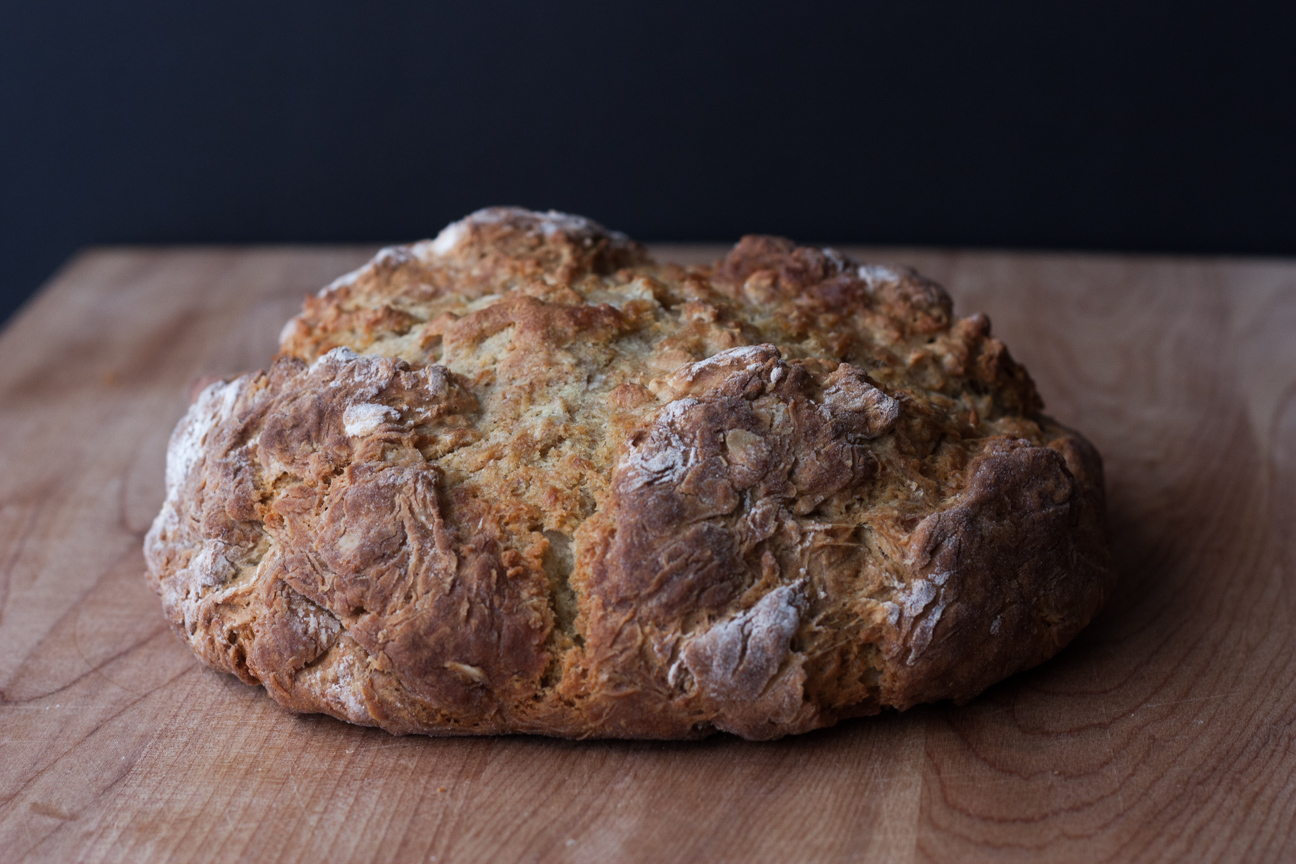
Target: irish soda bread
[[523, 478]]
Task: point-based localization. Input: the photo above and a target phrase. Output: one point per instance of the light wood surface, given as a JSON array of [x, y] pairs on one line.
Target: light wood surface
[[1164, 733]]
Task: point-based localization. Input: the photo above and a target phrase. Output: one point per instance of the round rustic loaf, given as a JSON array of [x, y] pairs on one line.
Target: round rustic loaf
[[522, 478]]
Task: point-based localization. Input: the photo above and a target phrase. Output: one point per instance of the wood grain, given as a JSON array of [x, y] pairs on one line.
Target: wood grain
[[1164, 733]]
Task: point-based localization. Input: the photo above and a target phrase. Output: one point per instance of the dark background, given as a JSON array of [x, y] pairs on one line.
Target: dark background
[[1167, 127]]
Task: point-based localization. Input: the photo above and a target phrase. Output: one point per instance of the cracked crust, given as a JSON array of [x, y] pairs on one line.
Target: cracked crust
[[522, 478]]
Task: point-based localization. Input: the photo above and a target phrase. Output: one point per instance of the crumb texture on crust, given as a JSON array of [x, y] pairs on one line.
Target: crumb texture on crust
[[523, 478]]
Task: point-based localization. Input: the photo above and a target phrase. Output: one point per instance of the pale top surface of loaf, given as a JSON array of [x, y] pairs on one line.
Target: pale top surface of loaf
[[546, 339]]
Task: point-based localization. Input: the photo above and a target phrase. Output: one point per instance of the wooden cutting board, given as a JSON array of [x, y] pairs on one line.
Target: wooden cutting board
[[1163, 733]]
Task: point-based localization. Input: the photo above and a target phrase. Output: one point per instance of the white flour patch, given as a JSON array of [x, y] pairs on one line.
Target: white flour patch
[[747, 358], [553, 222], [491, 215], [341, 692], [876, 274], [366, 372], [445, 242], [736, 659], [392, 256], [922, 634], [344, 280], [214, 405], [664, 457], [920, 596], [366, 417], [892, 612], [337, 355], [838, 260], [290, 327], [210, 567]]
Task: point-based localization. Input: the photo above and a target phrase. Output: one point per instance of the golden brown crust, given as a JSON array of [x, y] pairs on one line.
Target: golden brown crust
[[521, 478]]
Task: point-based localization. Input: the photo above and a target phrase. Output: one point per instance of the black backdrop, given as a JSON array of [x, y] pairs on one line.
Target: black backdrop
[[1097, 125]]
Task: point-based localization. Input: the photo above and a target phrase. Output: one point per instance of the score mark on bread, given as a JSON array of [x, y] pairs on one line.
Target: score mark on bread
[[523, 478]]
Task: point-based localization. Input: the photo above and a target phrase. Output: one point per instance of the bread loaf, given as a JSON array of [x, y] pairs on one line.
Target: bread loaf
[[523, 478]]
